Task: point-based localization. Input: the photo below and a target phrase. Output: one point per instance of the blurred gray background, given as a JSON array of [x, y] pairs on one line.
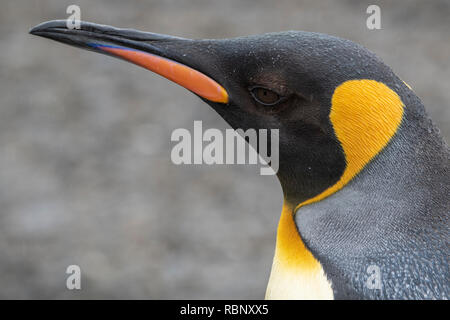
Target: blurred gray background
[[85, 170]]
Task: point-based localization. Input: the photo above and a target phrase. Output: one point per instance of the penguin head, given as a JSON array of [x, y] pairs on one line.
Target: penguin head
[[300, 83]]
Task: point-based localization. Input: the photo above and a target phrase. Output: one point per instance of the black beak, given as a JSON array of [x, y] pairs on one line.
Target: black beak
[[170, 57]]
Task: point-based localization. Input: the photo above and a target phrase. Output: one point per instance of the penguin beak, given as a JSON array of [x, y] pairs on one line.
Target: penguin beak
[[165, 55]]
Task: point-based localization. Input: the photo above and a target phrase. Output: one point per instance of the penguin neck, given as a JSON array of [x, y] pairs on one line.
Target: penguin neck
[[364, 125]]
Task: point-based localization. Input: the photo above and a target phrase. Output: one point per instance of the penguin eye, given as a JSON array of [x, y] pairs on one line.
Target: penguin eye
[[265, 96]]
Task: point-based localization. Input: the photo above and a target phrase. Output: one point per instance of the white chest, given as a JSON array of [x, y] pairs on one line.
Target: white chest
[[287, 283]]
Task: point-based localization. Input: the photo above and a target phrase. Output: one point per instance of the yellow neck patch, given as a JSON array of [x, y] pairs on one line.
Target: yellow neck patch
[[295, 274], [365, 115]]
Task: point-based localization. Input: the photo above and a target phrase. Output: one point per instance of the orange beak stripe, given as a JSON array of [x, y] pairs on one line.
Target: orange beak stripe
[[181, 74]]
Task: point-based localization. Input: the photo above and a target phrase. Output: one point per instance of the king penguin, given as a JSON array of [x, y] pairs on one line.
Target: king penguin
[[364, 171]]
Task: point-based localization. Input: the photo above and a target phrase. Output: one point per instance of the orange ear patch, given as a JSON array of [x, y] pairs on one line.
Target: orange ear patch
[[365, 115]]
